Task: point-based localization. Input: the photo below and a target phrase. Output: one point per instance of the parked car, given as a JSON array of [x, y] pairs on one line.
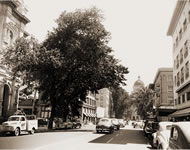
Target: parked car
[[76, 123], [61, 124], [122, 123], [161, 136], [116, 123], [18, 124], [180, 136], [138, 123], [105, 125]]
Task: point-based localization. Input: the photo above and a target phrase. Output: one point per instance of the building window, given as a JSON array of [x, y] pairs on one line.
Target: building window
[[183, 98], [179, 101], [187, 70], [9, 37], [182, 75], [174, 64], [175, 81], [170, 100], [176, 41], [178, 79], [177, 61], [180, 34], [184, 25], [170, 88], [175, 101], [185, 49], [170, 78], [188, 96], [181, 56]]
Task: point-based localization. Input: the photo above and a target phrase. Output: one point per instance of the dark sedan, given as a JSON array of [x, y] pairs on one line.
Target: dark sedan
[[116, 123], [104, 125], [180, 136]]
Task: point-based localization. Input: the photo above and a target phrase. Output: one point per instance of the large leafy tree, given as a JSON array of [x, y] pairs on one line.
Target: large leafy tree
[[74, 59], [143, 100], [121, 101]]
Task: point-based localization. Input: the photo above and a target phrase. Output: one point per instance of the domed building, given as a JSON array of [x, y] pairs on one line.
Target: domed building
[[139, 84]]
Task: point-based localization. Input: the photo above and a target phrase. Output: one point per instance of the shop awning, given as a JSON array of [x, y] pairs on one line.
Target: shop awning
[[180, 113]]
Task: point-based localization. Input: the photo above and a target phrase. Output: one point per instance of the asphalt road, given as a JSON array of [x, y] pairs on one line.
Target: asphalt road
[[72, 140]]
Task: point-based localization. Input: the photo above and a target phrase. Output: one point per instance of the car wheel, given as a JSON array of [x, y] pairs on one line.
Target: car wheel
[[32, 131], [160, 146], [111, 131], [17, 132]]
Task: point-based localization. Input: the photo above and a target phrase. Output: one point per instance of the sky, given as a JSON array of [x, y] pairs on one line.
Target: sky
[[138, 30]]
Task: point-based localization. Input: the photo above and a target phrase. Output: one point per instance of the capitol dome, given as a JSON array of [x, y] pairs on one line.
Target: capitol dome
[[139, 84]]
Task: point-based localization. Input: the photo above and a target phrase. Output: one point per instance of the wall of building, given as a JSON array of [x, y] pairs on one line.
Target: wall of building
[[12, 24], [181, 54]]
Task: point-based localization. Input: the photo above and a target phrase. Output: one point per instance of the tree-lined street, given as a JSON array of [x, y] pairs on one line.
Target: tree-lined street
[[78, 139]]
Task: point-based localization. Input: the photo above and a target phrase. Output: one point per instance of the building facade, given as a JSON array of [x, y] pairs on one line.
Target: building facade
[[138, 85], [12, 23], [88, 110], [164, 99], [179, 30], [104, 104]]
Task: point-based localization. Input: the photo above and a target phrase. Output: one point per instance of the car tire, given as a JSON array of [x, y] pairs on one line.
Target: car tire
[[160, 146], [111, 131], [32, 131], [17, 132]]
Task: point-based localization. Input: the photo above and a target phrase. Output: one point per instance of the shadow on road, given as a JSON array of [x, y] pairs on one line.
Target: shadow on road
[[123, 137]]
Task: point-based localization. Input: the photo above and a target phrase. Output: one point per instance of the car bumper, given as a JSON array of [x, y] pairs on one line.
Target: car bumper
[[102, 129], [6, 128]]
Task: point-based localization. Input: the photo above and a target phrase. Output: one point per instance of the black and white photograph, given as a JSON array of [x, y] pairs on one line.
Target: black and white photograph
[[94, 74]]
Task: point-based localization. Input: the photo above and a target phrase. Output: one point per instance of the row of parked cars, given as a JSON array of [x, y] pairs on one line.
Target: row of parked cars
[[60, 123], [168, 135], [109, 125]]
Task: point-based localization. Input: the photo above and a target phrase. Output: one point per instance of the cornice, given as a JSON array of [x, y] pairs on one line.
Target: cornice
[[176, 15]]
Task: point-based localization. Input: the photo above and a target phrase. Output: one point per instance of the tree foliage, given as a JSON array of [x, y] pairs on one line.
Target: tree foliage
[[120, 101], [143, 100], [74, 59]]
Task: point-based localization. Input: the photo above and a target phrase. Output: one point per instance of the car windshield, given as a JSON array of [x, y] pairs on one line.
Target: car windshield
[[13, 119]]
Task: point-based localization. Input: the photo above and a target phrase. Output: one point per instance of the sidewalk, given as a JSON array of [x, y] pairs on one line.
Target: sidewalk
[[89, 128], [85, 128]]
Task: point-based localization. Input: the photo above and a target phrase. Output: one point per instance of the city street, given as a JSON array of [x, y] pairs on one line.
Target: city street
[[78, 139]]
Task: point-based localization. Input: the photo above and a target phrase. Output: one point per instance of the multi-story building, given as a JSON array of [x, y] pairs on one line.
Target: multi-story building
[[104, 103], [88, 110], [179, 30], [12, 23], [164, 99]]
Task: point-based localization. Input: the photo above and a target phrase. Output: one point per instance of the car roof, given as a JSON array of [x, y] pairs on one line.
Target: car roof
[[163, 123], [184, 126]]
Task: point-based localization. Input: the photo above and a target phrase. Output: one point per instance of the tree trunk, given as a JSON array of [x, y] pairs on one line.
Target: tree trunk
[[50, 124]]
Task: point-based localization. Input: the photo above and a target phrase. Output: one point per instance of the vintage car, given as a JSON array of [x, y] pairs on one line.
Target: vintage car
[[116, 123], [105, 125], [76, 123], [161, 136], [63, 124], [122, 123], [180, 136], [18, 124]]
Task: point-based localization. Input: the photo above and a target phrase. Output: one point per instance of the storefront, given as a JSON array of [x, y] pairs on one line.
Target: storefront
[[181, 115]]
